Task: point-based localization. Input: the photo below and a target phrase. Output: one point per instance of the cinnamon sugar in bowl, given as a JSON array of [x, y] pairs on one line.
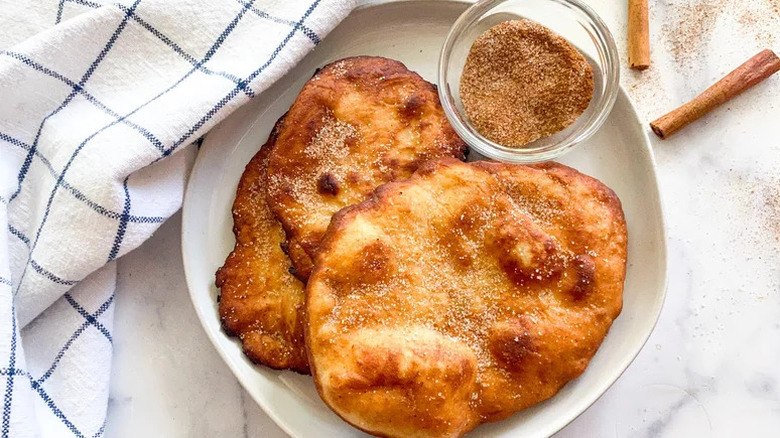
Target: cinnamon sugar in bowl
[[536, 123]]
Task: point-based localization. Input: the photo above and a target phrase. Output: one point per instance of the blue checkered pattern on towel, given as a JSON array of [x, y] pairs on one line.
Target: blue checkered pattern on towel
[[100, 104]]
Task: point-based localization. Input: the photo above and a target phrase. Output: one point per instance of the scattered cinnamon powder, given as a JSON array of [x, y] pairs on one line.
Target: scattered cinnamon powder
[[761, 23], [688, 28], [757, 197], [522, 81], [771, 209]]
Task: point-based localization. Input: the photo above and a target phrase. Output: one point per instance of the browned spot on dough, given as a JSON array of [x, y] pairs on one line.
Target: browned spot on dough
[[465, 221], [393, 163], [586, 274], [381, 369], [328, 184], [526, 254], [513, 344], [454, 238], [312, 127], [412, 107], [375, 258]]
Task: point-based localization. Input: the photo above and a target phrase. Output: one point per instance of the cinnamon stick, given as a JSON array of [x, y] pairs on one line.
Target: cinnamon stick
[[638, 35], [755, 70]]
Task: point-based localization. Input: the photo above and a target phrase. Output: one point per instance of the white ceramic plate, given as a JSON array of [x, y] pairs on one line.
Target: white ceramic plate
[[412, 32]]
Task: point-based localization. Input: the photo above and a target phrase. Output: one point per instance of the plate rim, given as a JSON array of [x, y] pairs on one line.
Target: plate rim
[[646, 150]]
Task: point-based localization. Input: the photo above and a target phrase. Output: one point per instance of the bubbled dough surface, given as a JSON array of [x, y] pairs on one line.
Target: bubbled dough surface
[[260, 301], [462, 295], [358, 123]]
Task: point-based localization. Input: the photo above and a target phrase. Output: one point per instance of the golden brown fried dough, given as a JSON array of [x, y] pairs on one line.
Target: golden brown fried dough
[[260, 301], [302, 270], [463, 295], [358, 123]]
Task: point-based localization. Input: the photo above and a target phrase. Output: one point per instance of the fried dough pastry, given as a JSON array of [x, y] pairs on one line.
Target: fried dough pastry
[[463, 295], [260, 301], [358, 123]]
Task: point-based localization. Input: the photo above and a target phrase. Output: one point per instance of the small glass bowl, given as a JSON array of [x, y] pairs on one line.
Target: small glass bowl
[[573, 20]]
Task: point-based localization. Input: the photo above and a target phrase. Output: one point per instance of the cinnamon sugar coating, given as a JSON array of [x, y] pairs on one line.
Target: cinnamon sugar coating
[[522, 82], [260, 301], [462, 295], [358, 123]]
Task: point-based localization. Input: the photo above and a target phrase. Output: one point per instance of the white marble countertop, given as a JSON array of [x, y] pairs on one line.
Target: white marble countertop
[[711, 366]]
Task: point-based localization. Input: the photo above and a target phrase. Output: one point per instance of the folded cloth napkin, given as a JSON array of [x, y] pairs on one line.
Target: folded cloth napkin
[[102, 106]]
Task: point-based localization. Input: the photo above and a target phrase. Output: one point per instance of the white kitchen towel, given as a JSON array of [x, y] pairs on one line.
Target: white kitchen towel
[[102, 106]]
